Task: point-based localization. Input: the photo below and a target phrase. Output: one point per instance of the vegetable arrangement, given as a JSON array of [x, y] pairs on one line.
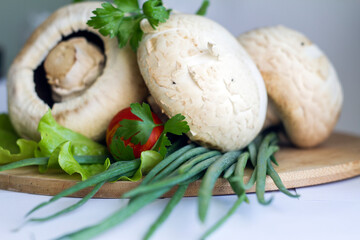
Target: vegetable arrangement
[[181, 166], [199, 76]]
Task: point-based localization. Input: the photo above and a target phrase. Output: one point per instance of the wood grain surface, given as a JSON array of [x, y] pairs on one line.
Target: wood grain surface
[[336, 159]]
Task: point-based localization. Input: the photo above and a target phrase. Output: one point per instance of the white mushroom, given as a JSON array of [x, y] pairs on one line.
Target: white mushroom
[[195, 67], [90, 78], [302, 85]]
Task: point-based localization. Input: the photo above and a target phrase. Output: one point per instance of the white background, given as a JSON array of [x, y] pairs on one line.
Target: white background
[[329, 211]]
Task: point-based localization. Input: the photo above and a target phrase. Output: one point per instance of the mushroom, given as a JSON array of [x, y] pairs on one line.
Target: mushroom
[[193, 66], [303, 88], [71, 68]]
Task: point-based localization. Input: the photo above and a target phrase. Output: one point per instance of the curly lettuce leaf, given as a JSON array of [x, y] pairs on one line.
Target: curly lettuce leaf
[[52, 135], [148, 160], [63, 158], [61, 144], [11, 147]]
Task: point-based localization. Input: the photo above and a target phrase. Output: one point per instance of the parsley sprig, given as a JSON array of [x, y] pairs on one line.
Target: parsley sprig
[[139, 132], [122, 20]]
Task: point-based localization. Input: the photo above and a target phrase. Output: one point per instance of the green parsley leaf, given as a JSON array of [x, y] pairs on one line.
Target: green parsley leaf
[[127, 5], [136, 37], [119, 151], [155, 12], [203, 8], [163, 143], [107, 20], [138, 131], [122, 20], [129, 29], [176, 125]]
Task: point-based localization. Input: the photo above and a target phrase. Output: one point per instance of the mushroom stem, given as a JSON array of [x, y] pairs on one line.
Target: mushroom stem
[[72, 66]]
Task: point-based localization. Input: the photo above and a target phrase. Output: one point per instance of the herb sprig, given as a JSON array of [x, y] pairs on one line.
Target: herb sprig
[[122, 19], [139, 132]]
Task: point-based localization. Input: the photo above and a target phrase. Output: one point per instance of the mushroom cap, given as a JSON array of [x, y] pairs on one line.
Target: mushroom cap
[[195, 67], [301, 82], [89, 114]]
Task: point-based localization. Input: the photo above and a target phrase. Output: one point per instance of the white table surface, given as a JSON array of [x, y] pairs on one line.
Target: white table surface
[[329, 211]]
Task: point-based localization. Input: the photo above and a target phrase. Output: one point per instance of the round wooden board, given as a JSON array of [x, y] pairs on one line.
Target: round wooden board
[[336, 159]]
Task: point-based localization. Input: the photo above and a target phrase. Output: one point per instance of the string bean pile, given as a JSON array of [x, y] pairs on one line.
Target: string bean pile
[[179, 168]]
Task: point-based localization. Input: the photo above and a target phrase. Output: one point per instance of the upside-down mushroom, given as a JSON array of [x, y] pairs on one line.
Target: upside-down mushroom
[[302, 85], [195, 67], [69, 67]]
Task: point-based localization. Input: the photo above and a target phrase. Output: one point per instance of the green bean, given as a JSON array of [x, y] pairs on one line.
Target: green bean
[[178, 195], [177, 162], [274, 141], [238, 178], [81, 202], [116, 169], [171, 181], [262, 166], [195, 160], [238, 190], [253, 153], [253, 149], [277, 180], [241, 164], [95, 159], [252, 179], [44, 160], [273, 159], [117, 217], [257, 141], [171, 171], [230, 171], [166, 161], [209, 179], [176, 146], [271, 151], [189, 164], [24, 163], [72, 207], [232, 210]]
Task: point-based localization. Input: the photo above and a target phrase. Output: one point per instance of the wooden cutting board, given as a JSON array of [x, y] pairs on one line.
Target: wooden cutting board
[[336, 159]]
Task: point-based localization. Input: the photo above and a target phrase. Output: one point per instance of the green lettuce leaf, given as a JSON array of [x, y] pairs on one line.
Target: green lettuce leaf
[[11, 147], [52, 135], [57, 142], [61, 144], [63, 158], [148, 160]]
